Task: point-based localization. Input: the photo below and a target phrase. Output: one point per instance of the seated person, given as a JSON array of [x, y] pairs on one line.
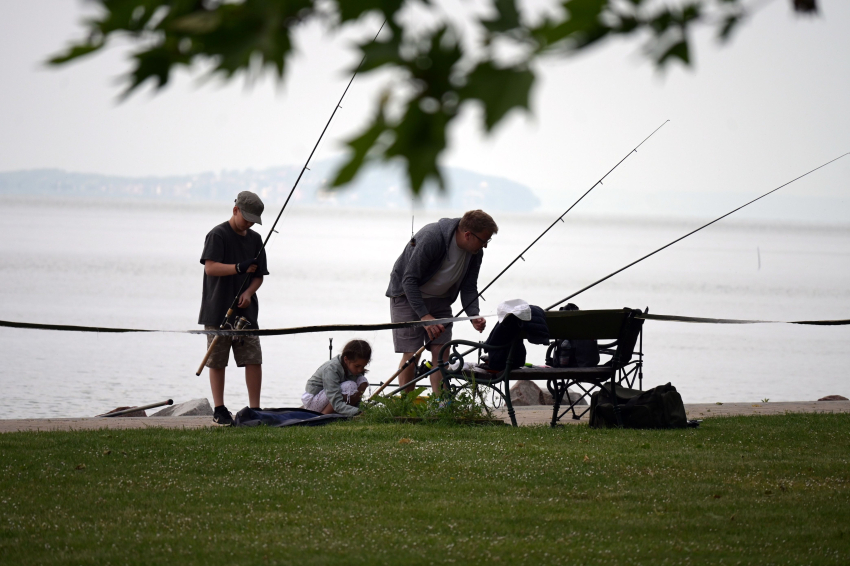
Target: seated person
[[339, 383]]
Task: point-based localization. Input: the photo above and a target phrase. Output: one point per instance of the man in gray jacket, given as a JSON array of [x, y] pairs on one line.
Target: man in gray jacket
[[441, 261]]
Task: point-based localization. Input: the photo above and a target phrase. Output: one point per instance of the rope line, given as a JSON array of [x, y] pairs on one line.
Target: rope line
[[700, 320], [254, 332], [388, 325]]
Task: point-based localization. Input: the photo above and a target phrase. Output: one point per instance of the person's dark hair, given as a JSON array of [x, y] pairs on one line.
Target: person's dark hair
[[478, 221], [357, 350]]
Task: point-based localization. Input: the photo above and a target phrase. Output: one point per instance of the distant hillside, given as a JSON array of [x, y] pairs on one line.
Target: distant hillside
[[375, 188]]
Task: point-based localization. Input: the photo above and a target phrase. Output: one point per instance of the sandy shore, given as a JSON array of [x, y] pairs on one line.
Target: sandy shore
[[534, 415]]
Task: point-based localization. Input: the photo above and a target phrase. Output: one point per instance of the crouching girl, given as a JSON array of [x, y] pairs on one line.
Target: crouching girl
[[339, 383]]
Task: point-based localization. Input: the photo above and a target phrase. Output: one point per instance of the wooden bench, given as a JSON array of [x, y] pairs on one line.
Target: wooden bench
[[624, 368]]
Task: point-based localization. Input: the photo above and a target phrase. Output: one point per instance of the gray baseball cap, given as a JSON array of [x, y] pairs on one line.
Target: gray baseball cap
[[251, 206]]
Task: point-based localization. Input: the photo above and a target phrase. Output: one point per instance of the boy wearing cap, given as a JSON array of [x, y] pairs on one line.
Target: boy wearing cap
[[232, 253]]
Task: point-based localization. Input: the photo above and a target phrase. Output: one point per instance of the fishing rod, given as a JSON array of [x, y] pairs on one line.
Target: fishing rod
[[561, 217], [692, 232], [134, 409], [248, 276], [413, 358]]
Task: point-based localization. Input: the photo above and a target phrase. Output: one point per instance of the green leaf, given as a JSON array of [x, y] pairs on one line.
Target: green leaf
[[583, 25], [420, 137], [353, 9], [433, 69], [415, 393], [197, 23], [507, 17], [500, 90], [806, 6], [232, 35], [74, 52], [661, 22], [361, 145], [151, 64], [379, 53], [678, 50], [729, 24], [259, 27]]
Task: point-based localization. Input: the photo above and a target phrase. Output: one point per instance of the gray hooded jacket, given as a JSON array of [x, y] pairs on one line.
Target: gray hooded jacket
[[421, 259]]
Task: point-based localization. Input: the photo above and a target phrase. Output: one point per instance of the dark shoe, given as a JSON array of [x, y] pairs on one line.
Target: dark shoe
[[222, 417]]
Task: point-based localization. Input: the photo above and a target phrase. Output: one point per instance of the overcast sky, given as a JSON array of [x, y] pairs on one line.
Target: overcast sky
[[750, 115]]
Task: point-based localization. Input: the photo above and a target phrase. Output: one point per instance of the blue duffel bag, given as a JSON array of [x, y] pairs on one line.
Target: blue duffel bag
[[283, 417]]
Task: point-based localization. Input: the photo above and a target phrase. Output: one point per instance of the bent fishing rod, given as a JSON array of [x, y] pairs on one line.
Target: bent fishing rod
[[248, 276], [413, 358], [692, 232]]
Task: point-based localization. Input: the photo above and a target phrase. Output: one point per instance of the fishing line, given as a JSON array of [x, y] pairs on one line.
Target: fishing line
[[306, 164], [561, 217], [701, 320], [692, 232]]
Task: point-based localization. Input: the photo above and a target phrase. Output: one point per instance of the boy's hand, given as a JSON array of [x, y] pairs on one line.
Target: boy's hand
[[247, 266], [479, 324], [245, 299]]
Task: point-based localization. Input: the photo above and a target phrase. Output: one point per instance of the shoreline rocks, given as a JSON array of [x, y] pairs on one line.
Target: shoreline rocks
[[528, 393], [194, 408]]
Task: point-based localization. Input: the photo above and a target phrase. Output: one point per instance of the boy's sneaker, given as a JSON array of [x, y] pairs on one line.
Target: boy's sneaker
[[221, 416]]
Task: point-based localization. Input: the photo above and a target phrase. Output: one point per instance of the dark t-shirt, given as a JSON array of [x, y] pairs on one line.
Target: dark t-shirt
[[226, 246]]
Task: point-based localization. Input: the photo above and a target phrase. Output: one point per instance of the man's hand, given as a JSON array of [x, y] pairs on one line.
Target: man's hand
[[433, 330], [479, 324], [245, 299], [247, 266]]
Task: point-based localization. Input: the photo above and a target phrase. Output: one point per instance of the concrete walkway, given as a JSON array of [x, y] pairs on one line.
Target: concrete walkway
[[534, 415], [95, 423], [539, 414]]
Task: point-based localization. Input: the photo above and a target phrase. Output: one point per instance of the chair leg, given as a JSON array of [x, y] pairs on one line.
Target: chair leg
[[585, 393], [445, 382], [506, 380], [557, 389], [640, 358], [510, 405]]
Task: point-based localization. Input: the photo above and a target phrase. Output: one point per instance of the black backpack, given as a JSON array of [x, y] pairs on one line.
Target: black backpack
[[660, 407], [505, 333], [572, 353]]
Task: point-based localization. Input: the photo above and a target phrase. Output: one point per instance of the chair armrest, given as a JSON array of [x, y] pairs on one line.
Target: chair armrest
[[455, 356], [474, 345]]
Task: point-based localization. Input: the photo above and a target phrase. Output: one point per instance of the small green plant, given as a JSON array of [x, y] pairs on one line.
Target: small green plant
[[464, 405], [386, 409], [765, 400]]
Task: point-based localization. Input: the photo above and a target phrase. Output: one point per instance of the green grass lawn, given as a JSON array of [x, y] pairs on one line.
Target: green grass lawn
[[749, 490]]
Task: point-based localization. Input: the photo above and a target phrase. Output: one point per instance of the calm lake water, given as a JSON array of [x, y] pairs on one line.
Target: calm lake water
[[137, 265]]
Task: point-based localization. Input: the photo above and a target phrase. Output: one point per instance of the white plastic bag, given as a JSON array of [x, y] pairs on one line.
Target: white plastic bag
[[516, 307]]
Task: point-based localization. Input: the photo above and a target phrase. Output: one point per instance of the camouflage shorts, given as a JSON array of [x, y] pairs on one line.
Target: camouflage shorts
[[246, 350]]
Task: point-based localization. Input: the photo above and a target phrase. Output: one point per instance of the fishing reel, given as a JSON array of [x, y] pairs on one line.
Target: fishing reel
[[241, 323], [423, 368]]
